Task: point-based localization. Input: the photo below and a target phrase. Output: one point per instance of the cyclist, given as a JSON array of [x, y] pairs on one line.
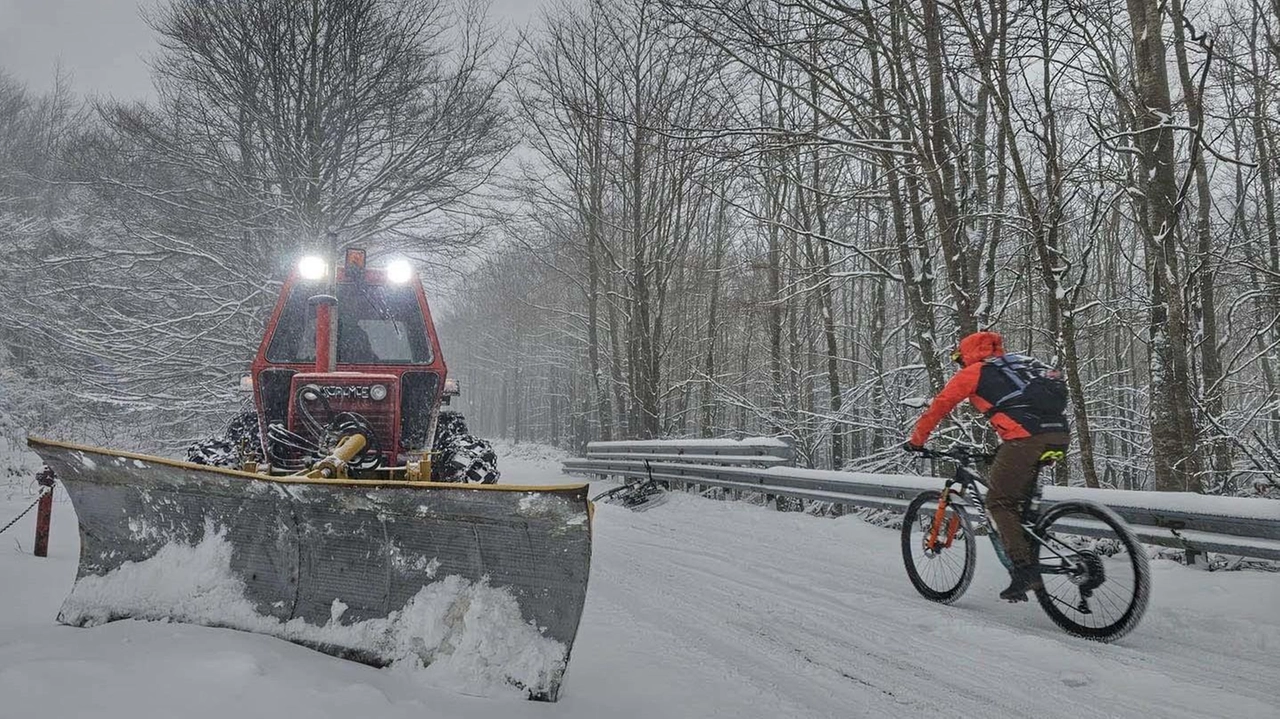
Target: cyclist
[[1025, 401]]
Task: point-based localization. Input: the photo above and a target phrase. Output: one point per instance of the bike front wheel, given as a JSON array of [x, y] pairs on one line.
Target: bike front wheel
[[940, 559], [1095, 572]]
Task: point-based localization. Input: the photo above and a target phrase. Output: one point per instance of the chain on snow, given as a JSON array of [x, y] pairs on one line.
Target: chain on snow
[[43, 492]]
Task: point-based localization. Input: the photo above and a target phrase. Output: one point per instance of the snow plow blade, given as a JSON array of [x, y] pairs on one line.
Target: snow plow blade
[[478, 587]]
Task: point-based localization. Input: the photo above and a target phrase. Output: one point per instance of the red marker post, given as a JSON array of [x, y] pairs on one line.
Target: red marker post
[[44, 512]]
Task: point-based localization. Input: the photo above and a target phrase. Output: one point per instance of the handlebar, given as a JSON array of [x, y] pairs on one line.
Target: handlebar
[[962, 453]]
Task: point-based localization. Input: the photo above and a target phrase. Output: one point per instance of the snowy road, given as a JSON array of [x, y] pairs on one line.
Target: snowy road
[[696, 609]]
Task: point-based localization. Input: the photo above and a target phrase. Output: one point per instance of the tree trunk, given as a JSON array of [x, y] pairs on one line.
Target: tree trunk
[[1172, 425], [1204, 274], [709, 363]]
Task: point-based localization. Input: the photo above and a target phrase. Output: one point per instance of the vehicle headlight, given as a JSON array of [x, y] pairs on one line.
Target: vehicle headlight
[[399, 272], [312, 267], [378, 392]]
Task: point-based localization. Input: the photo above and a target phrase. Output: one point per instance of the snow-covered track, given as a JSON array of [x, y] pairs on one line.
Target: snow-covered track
[[696, 609]]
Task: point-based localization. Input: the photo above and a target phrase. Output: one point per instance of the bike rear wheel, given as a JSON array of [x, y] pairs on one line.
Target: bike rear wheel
[[1096, 575], [943, 573]]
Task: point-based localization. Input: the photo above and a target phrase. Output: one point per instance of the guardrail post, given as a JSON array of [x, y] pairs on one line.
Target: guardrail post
[[791, 448], [44, 512], [44, 515]]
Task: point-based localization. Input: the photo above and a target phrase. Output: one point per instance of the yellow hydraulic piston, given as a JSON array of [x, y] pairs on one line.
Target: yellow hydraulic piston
[[335, 465]]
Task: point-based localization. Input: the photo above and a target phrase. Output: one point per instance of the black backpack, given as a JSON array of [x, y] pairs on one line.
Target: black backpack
[[1037, 387]]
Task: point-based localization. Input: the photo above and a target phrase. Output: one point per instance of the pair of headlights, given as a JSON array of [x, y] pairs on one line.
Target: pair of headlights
[[313, 267]]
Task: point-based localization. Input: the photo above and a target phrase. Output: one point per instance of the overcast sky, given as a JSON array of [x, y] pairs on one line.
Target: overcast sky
[[103, 44]]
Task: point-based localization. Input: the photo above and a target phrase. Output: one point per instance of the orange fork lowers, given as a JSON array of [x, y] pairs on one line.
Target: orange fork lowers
[[952, 527], [931, 542]]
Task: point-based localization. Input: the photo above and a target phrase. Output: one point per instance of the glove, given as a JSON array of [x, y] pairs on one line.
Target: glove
[[908, 446]]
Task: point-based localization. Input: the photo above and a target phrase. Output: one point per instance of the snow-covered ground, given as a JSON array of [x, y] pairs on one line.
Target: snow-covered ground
[[696, 609]]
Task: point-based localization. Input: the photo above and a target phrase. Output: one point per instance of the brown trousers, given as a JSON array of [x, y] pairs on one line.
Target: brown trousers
[[1012, 480]]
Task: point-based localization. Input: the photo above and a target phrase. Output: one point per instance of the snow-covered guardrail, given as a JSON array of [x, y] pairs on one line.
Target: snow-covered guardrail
[[1197, 523], [748, 452]]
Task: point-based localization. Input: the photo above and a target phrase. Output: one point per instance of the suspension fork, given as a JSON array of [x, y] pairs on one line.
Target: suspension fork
[[931, 543]]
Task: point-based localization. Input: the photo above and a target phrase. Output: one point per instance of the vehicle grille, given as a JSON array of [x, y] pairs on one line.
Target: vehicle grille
[[351, 394], [417, 398]]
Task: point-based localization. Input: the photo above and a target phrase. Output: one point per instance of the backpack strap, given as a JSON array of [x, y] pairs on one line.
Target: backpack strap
[[1019, 382]]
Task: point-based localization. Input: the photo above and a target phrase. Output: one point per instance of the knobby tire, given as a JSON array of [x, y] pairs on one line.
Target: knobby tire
[[912, 543], [1061, 611]]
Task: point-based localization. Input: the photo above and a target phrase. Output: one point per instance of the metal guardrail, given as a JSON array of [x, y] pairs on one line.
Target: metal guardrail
[[732, 460], [747, 452], [1196, 523]]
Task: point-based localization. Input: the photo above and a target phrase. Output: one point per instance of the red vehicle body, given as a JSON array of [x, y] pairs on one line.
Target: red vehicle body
[[388, 370]]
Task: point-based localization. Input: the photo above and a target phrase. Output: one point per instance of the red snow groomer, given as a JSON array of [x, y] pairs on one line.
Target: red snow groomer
[[346, 512], [348, 382]]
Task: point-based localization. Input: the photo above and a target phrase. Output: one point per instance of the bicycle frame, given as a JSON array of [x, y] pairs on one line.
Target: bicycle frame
[[1054, 543], [969, 487]]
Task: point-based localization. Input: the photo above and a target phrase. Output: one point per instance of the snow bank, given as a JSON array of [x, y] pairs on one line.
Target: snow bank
[[455, 634], [529, 452], [530, 463]]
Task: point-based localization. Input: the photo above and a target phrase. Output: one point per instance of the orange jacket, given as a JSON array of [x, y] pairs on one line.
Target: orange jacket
[[974, 349]]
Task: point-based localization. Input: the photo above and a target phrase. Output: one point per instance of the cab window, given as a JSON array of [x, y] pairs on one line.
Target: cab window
[[377, 324]]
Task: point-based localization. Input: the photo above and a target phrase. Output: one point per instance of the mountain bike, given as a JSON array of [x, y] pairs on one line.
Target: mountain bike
[[1095, 572], [638, 495]]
